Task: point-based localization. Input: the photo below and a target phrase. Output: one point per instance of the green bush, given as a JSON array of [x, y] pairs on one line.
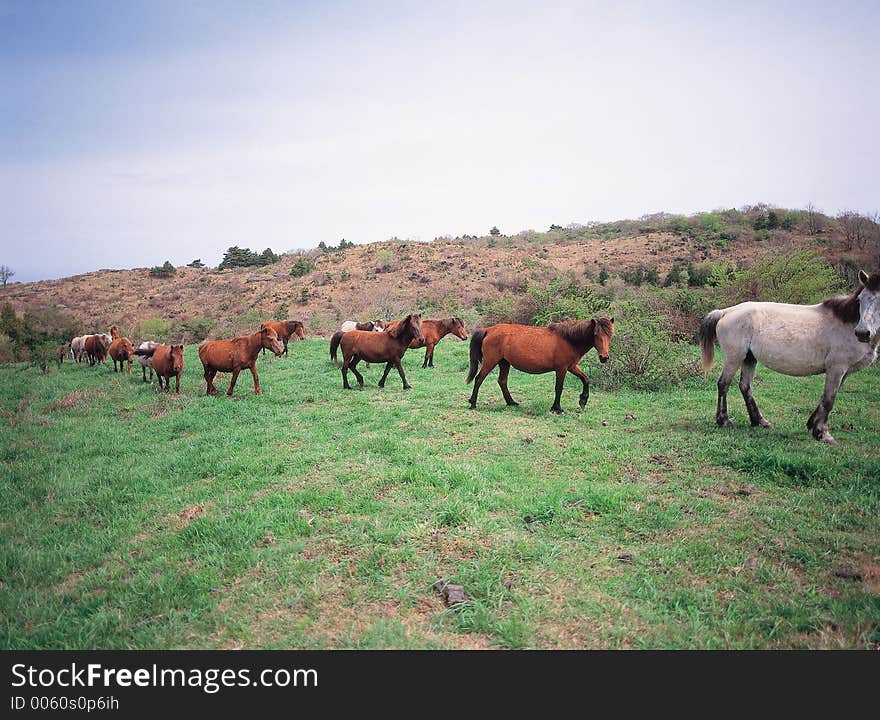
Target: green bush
[[797, 277], [561, 300], [644, 356], [190, 330], [164, 270], [154, 329], [301, 267]]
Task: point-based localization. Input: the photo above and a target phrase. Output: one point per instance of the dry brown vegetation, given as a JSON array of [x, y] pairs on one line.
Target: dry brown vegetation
[[389, 279]]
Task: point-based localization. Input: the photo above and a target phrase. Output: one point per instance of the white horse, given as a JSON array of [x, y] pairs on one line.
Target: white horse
[[76, 347], [836, 337], [373, 325], [145, 360]]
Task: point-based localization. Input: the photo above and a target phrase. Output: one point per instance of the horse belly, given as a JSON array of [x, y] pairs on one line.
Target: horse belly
[[791, 356]]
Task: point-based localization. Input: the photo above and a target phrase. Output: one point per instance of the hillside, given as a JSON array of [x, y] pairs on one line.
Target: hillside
[[386, 279]]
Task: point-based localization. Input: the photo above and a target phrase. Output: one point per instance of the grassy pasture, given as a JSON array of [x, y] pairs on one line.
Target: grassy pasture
[[310, 517]]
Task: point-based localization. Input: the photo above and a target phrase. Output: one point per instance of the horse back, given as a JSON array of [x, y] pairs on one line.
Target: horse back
[[528, 348]]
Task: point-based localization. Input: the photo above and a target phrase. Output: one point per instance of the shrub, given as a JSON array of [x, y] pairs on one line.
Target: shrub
[[302, 266], [644, 355], [796, 277], [561, 300], [164, 270], [154, 329], [190, 330], [386, 261]]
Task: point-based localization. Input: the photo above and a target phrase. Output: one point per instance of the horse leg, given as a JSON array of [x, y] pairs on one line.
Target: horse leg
[[727, 374], [346, 362], [257, 390], [355, 359], [560, 383], [503, 371], [406, 385], [427, 352], [487, 367], [833, 380], [209, 379], [581, 375], [431, 359], [746, 376], [388, 367], [285, 347], [235, 372]]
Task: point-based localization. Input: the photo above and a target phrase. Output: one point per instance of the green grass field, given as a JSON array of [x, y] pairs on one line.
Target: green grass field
[[311, 517]]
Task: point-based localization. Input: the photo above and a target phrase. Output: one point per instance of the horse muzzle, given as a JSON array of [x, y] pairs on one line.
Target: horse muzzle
[[603, 358], [863, 336]]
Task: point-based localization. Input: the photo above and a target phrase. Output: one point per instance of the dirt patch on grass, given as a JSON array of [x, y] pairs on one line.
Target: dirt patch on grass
[[76, 398], [69, 584], [186, 516]]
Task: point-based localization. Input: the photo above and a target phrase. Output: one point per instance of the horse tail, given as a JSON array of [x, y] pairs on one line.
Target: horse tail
[[334, 344], [707, 337], [476, 353]]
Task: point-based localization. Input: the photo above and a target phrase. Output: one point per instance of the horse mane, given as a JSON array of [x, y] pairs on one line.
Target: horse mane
[[397, 329], [846, 307], [291, 325], [581, 332]]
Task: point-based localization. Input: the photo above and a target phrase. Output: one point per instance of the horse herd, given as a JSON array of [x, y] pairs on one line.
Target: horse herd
[[836, 337]]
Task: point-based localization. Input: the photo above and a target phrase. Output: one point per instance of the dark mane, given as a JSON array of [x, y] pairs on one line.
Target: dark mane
[[398, 329], [846, 307], [581, 332]]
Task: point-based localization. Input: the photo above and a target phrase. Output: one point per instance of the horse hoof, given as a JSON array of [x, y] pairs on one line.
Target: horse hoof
[[407, 387], [558, 411], [827, 439], [725, 423], [762, 423]]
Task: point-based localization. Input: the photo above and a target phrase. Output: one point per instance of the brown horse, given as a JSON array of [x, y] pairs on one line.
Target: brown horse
[[168, 363], [434, 331], [236, 355], [557, 347], [114, 332], [95, 346], [285, 329], [121, 350], [387, 347]]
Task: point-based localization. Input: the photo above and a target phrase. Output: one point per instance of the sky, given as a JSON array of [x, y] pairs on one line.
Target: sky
[[137, 132]]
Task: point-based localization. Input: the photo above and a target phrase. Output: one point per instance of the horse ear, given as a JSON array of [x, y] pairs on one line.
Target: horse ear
[[612, 321], [863, 277]]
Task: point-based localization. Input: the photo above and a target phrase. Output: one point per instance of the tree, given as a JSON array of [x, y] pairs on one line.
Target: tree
[[6, 272], [495, 232], [814, 219], [603, 276], [197, 263], [555, 227]]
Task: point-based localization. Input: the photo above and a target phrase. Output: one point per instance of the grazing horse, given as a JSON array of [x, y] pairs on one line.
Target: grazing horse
[[236, 355], [146, 358], [96, 346], [371, 326], [60, 352], [121, 350], [166, 360], [557, 347], [285, 329], [837, 337], [387, 347], [435, 330]]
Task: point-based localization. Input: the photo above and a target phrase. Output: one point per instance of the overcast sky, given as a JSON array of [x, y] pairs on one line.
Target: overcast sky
[[135, 132]]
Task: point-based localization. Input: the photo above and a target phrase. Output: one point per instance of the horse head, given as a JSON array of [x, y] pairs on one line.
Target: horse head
[[176, 359], [458, 328], [869, 308], [298, 330], [604, 331], [269, 340]]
